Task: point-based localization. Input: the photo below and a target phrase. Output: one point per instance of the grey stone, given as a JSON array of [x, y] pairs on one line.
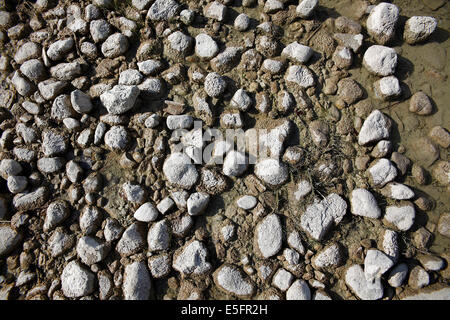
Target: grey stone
[[158, 237], [56, 213], [331, 256], [247, 202], [50, 165], [398, 275], [282, 279], [115, 45], [300, 76], [100, 30], [90, 220], [91, 250], [81, 102], [60, 48], [33, 69], [381, 171], [66, 71], [163, 10], [376, 127], [17, 184], [215, 10], [132, 241], [116, 138], [9, 239]]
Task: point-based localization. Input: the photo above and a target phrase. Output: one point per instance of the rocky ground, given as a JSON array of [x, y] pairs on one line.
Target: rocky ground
[[97, 203]]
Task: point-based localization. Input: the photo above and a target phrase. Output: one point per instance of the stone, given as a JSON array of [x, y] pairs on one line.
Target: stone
[[295, 242], [180, 44], [191, 259], [422, 238], [419, 28], [116, 138], [342, 57], [137, 283], [183, 121], [56, 213], [418, 278], [440, 294], [398, 275], [112, 230], [91, 250], [130, 77], [269, 236], [179, 170], [365, 290], [158, 237], [150, 67], [231, 280], [352, 41], [349, 90], [402, 216], [242, 22], [301, 76], [90, 220], [441, 173], [215, 10], [214, 84], [297, 52], [163, 10], [50, 165], [197, 203], [247, 202], [271, 171], [397, 191], [30, 200], [34, 70], [440, 136], [273, 66], [60, 242], [390, 245], [80, 101], [160, 265], [132, 240], [306, 8], [60, 48], [380, 172], [205, 46], [241, 100], [53, 143], [50, 89], [27, 51], [66, 71], [226, 60], [182, 225], [100, 30], [119, 99], [77, 281], [331, 256], [444, 224], [381, 23], [17, 184], [431, 262], [22, 85], [299, 290], [363, 203], [380, 60], [133, 192], [282, 279], [376, 264], [146, 213], [9, 239], [387, 88], [319, 217], [376, 127], [272, 6], [115, 45], [235, 164]]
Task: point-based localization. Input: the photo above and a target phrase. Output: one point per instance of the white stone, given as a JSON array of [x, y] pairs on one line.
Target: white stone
[[272, 171], [382, 21], [56, 213], [197, 203], [330, 256], [397, 191], [230, 279], [119, 99], [376, 264], [179, 170], [363, 203], [146, 213], [321, 216], [295, 242], [419, 28], [282, 279], [381, 171], [380, 60], [91, 250], [390, 245], [81, 102], [269, 236], [158, 237], [241, 100], [165, 205], [398, 275], [402, 217], [215, 10], [214, 84], [137, 283], [365, 290], [116, 138], [59, 49], [115, 45], [247, 202], [387, 88], [235, 164], [306, 8], [163, 10], [297, 52], [191, 259], [205, 46], [242, 22], [77, 281], [376, 127], [299, 290], [300, 76], [130, 77], [182, 121]]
